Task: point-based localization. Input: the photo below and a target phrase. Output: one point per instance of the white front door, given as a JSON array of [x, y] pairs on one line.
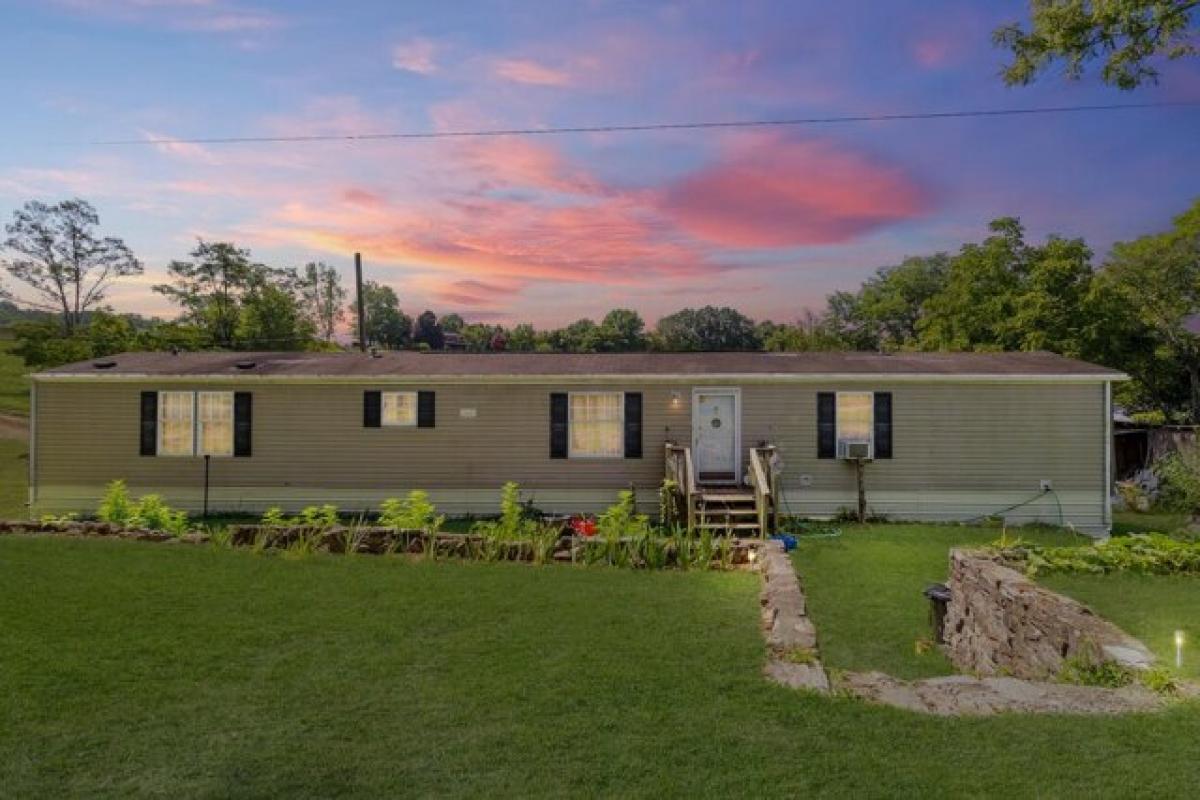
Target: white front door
[[715, 434]]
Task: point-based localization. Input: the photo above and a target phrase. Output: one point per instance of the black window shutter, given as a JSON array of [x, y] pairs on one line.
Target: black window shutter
[[558, 425], [149, 444], [425, 409], [242, 423], [883, 424], [633, 424], [372, 409], [826, 425]]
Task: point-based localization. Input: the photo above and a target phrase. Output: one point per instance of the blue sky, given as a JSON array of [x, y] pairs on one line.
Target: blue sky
[[549, 229]]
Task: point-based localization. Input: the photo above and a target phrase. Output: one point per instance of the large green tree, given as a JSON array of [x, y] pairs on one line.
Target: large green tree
[[272, 317], [708, 328], [211, 286], [1154, 283], [621, 331], [323, 297], [1127, 35], [387, 326], [885, 312], [58, 253], [1005, 294]]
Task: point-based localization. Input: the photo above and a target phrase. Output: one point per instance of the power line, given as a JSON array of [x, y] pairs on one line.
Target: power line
[[651, 126]]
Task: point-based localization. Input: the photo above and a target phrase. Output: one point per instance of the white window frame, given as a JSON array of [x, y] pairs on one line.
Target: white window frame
[[159, 426], [198, 439], [571, 453], [837, 434], [383, 422]]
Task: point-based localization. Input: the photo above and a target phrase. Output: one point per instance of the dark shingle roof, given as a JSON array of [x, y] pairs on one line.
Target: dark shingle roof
[[350, 364]]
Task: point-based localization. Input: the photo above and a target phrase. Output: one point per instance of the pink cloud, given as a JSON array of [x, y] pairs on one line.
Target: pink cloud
[[357, 196], [770, 191], [415, 55], [200, 16], [528, 71]]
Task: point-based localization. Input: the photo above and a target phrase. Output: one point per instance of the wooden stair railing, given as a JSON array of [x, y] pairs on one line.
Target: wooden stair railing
[[766, 488], [682, 474]]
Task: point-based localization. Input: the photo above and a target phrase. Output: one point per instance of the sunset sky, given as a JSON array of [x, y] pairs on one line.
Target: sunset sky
[[551, 228]]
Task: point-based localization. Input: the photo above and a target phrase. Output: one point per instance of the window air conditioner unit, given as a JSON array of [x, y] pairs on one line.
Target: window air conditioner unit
[[856, 450]]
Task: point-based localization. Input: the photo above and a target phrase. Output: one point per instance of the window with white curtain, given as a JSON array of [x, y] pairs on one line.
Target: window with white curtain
[[214, 423], [597, 425], [176, 434], [399, 409], [855, 421]]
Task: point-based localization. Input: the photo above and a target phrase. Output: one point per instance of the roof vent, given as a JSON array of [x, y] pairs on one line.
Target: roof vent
[[246, 364], [103, 364]]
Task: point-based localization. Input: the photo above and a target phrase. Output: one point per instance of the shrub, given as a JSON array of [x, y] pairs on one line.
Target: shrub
[[274, 517], [622, 519], [1180, 475], [415, 512], [116, 506], [151, 512]]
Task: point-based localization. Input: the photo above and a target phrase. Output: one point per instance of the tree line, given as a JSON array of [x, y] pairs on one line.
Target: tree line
[[1137, 310]]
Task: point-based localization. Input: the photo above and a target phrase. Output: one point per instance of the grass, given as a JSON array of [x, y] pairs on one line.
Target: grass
[[1151, 607], [864, 591], [14, 381], [1148, 522], [141, 669], [14, 479]]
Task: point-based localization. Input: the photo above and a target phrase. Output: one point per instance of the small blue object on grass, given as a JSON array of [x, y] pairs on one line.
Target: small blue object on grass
[[789, 541]]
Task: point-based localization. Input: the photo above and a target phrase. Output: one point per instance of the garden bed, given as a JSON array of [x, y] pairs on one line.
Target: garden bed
[[646, 551]]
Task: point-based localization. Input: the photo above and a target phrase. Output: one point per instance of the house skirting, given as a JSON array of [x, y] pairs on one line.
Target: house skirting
[[1079, 509]]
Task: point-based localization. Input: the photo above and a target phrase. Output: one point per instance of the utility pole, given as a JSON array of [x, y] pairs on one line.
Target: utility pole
[[358, 293]]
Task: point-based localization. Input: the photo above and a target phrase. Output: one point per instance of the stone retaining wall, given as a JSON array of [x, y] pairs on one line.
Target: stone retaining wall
[[1000, 622]]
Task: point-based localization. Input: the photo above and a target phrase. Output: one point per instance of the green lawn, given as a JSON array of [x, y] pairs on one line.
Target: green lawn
[[864, 591], [135, 669], [1151, 607], [1149, 522], [14, 381], [14, 479]]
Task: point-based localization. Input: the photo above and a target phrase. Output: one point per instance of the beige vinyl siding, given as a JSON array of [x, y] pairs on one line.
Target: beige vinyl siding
[[961, 450]]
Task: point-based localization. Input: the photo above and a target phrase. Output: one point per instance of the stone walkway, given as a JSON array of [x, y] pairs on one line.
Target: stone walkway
[[793, 660]]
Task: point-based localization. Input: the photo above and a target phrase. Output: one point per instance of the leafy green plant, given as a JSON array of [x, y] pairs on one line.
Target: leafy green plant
[[325, 516], [414, 512], [1086, 671], [622, 519], [52, 519], [116, 506], [514, 522], [1159, 679], [1180, 475], [1148, 553], [152, 512], [274, 517]]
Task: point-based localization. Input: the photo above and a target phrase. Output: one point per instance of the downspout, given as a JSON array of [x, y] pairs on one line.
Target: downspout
[[1106, 514], [32, 446]]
